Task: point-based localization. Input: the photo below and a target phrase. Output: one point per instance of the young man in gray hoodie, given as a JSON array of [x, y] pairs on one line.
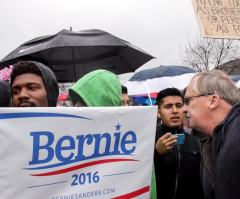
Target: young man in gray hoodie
[[33, 85]]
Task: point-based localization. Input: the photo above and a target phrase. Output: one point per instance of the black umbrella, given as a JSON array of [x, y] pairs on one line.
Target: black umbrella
[[72, 54]]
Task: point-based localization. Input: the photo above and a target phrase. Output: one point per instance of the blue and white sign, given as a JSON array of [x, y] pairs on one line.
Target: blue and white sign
[[76, 153]]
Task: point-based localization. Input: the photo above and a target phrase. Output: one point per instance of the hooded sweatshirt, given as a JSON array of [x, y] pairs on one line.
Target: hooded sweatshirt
[[101, 88], [50, 83], [97, 88], [5, 95]]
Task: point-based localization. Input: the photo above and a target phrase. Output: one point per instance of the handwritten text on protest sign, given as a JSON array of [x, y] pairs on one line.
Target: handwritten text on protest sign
[[218, 18]]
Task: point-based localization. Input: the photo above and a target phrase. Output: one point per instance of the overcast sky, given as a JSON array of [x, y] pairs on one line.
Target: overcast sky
[[159, 27]]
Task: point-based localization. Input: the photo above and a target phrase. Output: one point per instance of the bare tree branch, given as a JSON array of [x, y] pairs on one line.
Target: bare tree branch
[[204, 54]]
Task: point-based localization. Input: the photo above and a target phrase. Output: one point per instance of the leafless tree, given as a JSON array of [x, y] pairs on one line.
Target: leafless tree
[[204, 54]]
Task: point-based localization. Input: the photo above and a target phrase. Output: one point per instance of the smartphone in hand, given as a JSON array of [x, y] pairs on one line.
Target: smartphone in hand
[[180, 138]]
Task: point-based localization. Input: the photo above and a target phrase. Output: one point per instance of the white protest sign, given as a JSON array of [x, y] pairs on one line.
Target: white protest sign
[[218, 18], [75, 153]]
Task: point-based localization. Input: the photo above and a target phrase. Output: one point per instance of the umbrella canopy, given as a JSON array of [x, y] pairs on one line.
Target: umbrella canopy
[[235, 78], [160, 71], [73, 54], [152, 80]]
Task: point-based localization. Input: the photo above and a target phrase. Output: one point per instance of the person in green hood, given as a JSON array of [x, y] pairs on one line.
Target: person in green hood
[[100, 88], [95, 89]]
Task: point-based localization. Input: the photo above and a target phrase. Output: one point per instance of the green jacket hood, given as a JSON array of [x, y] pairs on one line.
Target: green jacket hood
[[97, 88]]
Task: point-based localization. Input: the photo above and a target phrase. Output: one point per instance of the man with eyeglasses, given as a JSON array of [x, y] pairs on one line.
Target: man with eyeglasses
[[177, 162], [212, 106]]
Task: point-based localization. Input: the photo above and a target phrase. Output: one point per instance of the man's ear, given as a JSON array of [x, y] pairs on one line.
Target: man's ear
[[214, 101]]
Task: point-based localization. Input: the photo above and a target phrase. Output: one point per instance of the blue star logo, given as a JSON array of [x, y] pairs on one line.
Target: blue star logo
[[118, 126]]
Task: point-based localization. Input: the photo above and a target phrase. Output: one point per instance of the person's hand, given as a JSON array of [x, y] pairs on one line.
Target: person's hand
[[165, 143]]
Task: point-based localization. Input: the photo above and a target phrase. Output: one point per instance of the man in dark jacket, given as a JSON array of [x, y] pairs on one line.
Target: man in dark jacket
[[212, 105], [177, 162], [33, 85]]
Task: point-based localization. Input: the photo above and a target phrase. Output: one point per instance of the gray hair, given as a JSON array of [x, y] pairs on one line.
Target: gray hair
[[217, 82]]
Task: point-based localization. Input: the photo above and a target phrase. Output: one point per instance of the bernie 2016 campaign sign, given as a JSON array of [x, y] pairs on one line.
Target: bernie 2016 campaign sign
[[76, 153]]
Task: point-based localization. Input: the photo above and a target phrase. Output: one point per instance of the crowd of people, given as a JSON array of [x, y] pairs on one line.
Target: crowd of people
[[186, 165]]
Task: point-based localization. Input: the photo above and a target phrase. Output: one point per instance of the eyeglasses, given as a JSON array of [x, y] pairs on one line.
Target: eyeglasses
[[187, 100]]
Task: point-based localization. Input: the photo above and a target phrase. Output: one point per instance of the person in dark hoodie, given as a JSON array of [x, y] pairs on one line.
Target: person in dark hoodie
[[5, 94], [212, 107], [177, 163], [33, 85], [100, 88]]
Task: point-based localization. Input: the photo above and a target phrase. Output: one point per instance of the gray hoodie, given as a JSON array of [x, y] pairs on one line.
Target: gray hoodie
[[49, 80]]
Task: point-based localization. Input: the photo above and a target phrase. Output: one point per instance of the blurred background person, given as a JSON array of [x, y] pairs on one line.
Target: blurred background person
[[125, 99]]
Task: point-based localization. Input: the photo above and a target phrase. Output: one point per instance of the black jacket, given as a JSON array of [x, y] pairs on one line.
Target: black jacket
[[5, 94], [221, 159], [178, 172]]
